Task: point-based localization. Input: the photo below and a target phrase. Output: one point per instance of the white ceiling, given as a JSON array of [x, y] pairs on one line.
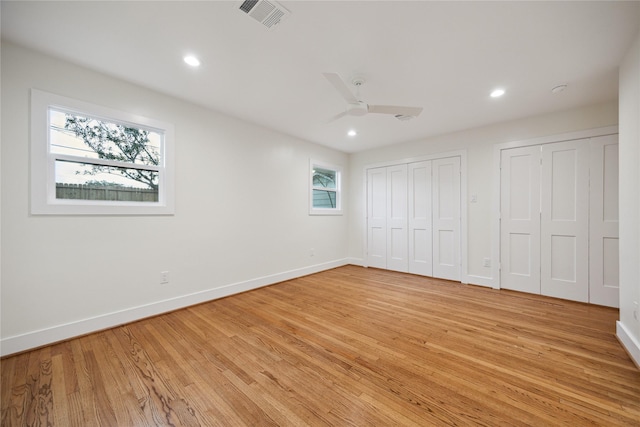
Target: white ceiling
[[443, 56]]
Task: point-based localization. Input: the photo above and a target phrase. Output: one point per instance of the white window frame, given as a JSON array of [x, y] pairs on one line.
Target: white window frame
[[338, 190], [43, 186]]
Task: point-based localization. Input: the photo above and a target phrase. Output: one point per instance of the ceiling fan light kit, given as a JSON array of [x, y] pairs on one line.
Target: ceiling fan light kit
[[356, 107]]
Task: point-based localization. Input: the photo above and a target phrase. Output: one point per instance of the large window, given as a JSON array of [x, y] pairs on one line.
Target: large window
[[87, 159], [325, 197]]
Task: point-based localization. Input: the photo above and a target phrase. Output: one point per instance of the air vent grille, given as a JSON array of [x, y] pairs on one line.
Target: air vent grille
[[268, 13], [248, 5]]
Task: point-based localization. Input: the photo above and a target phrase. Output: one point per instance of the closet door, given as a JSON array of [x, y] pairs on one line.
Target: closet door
[[419, 219], [397, 245], [564, 224], [520, 219], [446, 218], [377, 217], [603, 228]]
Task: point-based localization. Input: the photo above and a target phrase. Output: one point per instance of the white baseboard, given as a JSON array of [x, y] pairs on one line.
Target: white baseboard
[[629, 342], [355, 261], [481, 281], [39, 338]]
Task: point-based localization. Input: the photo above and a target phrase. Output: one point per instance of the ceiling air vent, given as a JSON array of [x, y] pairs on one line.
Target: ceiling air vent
[[268, 13]]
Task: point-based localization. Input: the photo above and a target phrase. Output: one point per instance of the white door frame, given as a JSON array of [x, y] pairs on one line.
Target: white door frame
[[497, 153], [463, 201]]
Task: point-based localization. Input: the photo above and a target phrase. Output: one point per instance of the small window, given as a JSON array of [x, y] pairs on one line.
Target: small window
[[87, 159], [325, 197]]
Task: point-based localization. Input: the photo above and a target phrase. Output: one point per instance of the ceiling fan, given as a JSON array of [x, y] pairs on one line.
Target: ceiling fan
[[355, 107]]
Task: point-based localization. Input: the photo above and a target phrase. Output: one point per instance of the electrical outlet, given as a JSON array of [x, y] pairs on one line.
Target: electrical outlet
[[164, 277], [312, 252], [486, 262], [635, 311]]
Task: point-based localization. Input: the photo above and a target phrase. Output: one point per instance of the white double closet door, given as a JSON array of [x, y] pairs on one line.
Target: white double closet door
[[413, 218], [559, 220]]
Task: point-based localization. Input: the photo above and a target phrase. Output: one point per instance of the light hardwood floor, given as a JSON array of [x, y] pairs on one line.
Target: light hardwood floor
[[346, 347]]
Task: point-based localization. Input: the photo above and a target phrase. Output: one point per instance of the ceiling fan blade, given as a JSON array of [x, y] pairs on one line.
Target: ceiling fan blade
[[341, 87], [336, 117], [395, 110]]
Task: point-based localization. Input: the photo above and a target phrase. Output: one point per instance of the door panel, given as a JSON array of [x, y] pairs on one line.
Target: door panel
[[520, 251], [564, 227], [446, 218], [397, 244], [563, 258], [603, 227], [520, 219], [419, 221], [610, 269], [377, 217], [446, 250]]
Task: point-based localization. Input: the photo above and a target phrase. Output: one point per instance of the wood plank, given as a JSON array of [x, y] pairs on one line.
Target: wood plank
[[349, 346]]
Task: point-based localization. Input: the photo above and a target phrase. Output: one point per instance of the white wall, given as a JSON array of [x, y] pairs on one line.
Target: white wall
[[64, 276], [479, 144], [628, 328], [68, 275]]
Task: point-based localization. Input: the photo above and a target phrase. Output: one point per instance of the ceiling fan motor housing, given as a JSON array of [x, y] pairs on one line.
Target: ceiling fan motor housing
[[357, 109]]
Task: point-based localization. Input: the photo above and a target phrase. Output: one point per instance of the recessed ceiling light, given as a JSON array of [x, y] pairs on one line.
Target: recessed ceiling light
[[352, 133], [497, 93], [192, 60]]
